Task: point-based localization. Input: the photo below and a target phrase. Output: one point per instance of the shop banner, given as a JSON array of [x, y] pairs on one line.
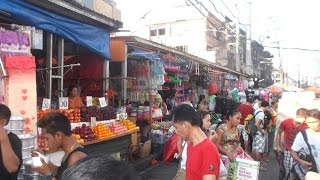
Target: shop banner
[[242, 169]]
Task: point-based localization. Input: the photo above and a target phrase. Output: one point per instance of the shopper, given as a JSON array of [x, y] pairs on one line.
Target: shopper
[[74, 101], [290, 127], [245, 110], [274, 112], [307, 142], [228, 136], [203, 161], [56, 129], [267, 129], [100, 168], [202, 105], [258, 143], [10, 148]]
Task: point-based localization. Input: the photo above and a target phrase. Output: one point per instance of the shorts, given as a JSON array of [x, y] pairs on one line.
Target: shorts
[[258, 143]]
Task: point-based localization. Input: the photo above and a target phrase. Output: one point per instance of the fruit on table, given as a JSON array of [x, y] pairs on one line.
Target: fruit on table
[[85, 133], [88, 112], [102, 131], [72, 114], [128, 124], [117, 128], [78, 138]]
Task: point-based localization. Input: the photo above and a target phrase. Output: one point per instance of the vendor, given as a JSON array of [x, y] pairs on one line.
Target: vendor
[[162, 105], [74, 101]]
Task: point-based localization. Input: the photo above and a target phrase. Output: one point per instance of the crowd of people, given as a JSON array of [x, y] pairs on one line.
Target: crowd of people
[[200, 144]]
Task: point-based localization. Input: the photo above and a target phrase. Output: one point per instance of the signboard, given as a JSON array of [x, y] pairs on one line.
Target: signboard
[[63, 103], [46, 103], [102, 102], [93, 121], [242, 169], [89, 101]]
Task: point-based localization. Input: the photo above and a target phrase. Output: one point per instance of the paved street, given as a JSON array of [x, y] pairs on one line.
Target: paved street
[[164, 171]]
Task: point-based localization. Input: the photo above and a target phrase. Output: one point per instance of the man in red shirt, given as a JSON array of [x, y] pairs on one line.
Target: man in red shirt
[[245, 109], [203, 160], [290, 128]]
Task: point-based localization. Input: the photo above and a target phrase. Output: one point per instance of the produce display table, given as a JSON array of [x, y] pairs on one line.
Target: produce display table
[[111, 145]]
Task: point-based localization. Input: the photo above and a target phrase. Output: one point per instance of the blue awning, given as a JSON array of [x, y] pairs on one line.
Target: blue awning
[[94, 38]]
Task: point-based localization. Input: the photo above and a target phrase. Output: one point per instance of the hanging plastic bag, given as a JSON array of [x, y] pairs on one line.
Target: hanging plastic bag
[[170, 148]]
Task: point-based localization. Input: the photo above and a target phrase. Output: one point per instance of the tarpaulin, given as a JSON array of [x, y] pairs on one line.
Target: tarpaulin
[[94, 38]]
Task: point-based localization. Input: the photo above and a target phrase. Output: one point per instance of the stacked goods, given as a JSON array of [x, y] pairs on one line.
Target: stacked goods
[[117, 128], [72, 114], [129, 124], [88, 112], [108, 113], [102, 131], [85, 133], [78, 138]]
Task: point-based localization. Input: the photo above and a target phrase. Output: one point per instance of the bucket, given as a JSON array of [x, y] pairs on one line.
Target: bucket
[[16, 122], [26, 152], [27, 140], [17, 131]]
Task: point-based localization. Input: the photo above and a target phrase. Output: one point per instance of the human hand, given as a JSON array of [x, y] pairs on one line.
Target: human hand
[[3, 134], [279, 150], [44, 169], [306, 165], [231, 156], [37, 152]]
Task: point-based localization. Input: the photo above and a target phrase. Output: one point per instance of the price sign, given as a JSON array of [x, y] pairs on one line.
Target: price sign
[[102, 102], [63, 103], [93, 121], [89, 101], [46, 104]]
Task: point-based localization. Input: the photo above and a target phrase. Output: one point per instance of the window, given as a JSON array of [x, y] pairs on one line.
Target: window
[[153, 32], [182, 48], [161, 31], [277, 75]]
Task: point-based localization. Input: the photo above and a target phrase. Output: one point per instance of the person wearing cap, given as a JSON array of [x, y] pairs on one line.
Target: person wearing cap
[[162, 105]]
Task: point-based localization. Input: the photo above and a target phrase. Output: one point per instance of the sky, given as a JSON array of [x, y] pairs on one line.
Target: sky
[[291, 23]]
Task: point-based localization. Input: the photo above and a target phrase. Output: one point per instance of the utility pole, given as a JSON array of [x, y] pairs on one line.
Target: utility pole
[[237, 47], [249, 66]]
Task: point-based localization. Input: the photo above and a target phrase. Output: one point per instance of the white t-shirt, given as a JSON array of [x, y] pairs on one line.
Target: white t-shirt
[[314, 141], [184, 155], [260, 115]]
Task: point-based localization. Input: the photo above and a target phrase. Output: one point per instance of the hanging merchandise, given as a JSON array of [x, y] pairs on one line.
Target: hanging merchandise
[[212, 89]]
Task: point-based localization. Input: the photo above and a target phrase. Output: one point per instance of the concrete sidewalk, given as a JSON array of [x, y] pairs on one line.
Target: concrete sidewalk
[[160, 171]]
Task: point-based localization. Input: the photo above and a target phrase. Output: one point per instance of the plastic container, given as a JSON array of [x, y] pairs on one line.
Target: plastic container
[[27, 140]]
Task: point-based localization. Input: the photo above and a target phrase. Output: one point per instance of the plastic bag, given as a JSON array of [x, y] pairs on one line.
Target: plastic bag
[[170, 148]]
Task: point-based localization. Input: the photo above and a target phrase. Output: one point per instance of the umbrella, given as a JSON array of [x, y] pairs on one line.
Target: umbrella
[[275, 89]]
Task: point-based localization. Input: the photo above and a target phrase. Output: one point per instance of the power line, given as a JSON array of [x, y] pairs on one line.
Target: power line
[[227, 8], [293, 48]]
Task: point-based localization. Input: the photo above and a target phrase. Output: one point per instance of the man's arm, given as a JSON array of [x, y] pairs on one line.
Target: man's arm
[[278, 139], [258, 123], [10, 160], [209, 177]]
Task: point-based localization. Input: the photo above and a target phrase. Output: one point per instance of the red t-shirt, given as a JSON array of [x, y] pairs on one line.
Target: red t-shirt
[[290, 131], [202, 159], [245, 110]]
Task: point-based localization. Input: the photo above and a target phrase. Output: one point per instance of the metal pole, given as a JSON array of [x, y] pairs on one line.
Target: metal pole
[[106, 75], [249, 67], [124, 75], [49, 65], [237, 47], [61, 64]]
